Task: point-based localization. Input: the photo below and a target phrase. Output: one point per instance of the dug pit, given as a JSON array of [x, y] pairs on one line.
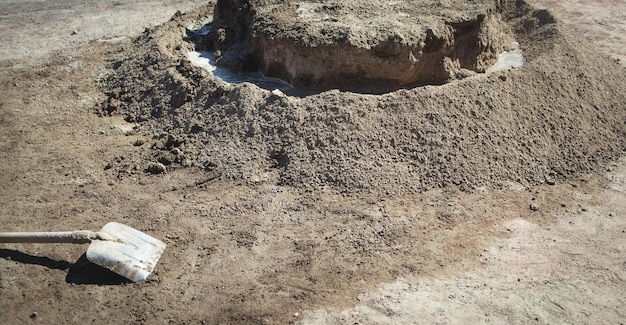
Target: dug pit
[[369, 46], [554, 118]]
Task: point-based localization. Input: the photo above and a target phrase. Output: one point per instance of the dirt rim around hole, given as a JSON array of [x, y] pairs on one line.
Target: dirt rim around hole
[[524, 126]]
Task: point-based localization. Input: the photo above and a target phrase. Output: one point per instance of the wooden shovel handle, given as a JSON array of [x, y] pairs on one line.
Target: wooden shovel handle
[[74, 237]]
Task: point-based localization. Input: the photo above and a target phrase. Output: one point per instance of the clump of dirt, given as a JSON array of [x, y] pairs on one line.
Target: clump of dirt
[[559, 115], [364, 46]]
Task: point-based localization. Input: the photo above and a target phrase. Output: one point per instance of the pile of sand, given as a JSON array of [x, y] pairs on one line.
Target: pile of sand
[[561, 114]]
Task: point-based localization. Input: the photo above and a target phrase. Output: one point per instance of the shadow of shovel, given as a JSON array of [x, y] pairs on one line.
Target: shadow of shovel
[[80, 272], [85, 272]]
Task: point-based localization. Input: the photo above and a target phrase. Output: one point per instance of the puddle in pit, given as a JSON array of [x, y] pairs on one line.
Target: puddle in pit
[[206, 60]]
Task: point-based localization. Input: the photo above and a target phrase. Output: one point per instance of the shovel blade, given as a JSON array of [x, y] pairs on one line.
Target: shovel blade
[[126, 251]]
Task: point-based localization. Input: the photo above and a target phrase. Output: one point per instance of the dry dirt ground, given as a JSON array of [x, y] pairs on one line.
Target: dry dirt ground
[[259, 253]]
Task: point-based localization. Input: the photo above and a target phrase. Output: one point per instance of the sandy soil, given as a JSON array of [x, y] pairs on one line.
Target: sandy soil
[[257, 252], [601, 21]]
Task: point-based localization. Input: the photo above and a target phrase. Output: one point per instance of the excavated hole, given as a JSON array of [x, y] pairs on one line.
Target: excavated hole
[[242, 44]]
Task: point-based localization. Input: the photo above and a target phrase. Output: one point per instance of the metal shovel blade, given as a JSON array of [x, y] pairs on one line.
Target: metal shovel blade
[[126, 251]]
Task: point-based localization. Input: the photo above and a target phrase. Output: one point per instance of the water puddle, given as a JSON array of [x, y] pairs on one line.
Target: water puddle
[[509, 59], [206, 60]]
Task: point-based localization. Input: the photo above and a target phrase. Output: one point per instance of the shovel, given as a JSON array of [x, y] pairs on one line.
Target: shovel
[[119, 248]]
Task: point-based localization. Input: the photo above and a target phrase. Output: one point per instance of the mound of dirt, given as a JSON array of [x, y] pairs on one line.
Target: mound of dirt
[[559, 115]]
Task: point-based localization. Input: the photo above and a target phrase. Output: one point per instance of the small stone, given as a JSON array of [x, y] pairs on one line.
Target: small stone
[[34, 315], [534, 207], [74, 32], [156, 168], [296, 315], [175, 151], [277, 93], [139, 142]]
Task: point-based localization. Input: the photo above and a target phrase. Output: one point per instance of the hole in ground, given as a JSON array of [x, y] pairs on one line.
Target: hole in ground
[[317, 46]]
